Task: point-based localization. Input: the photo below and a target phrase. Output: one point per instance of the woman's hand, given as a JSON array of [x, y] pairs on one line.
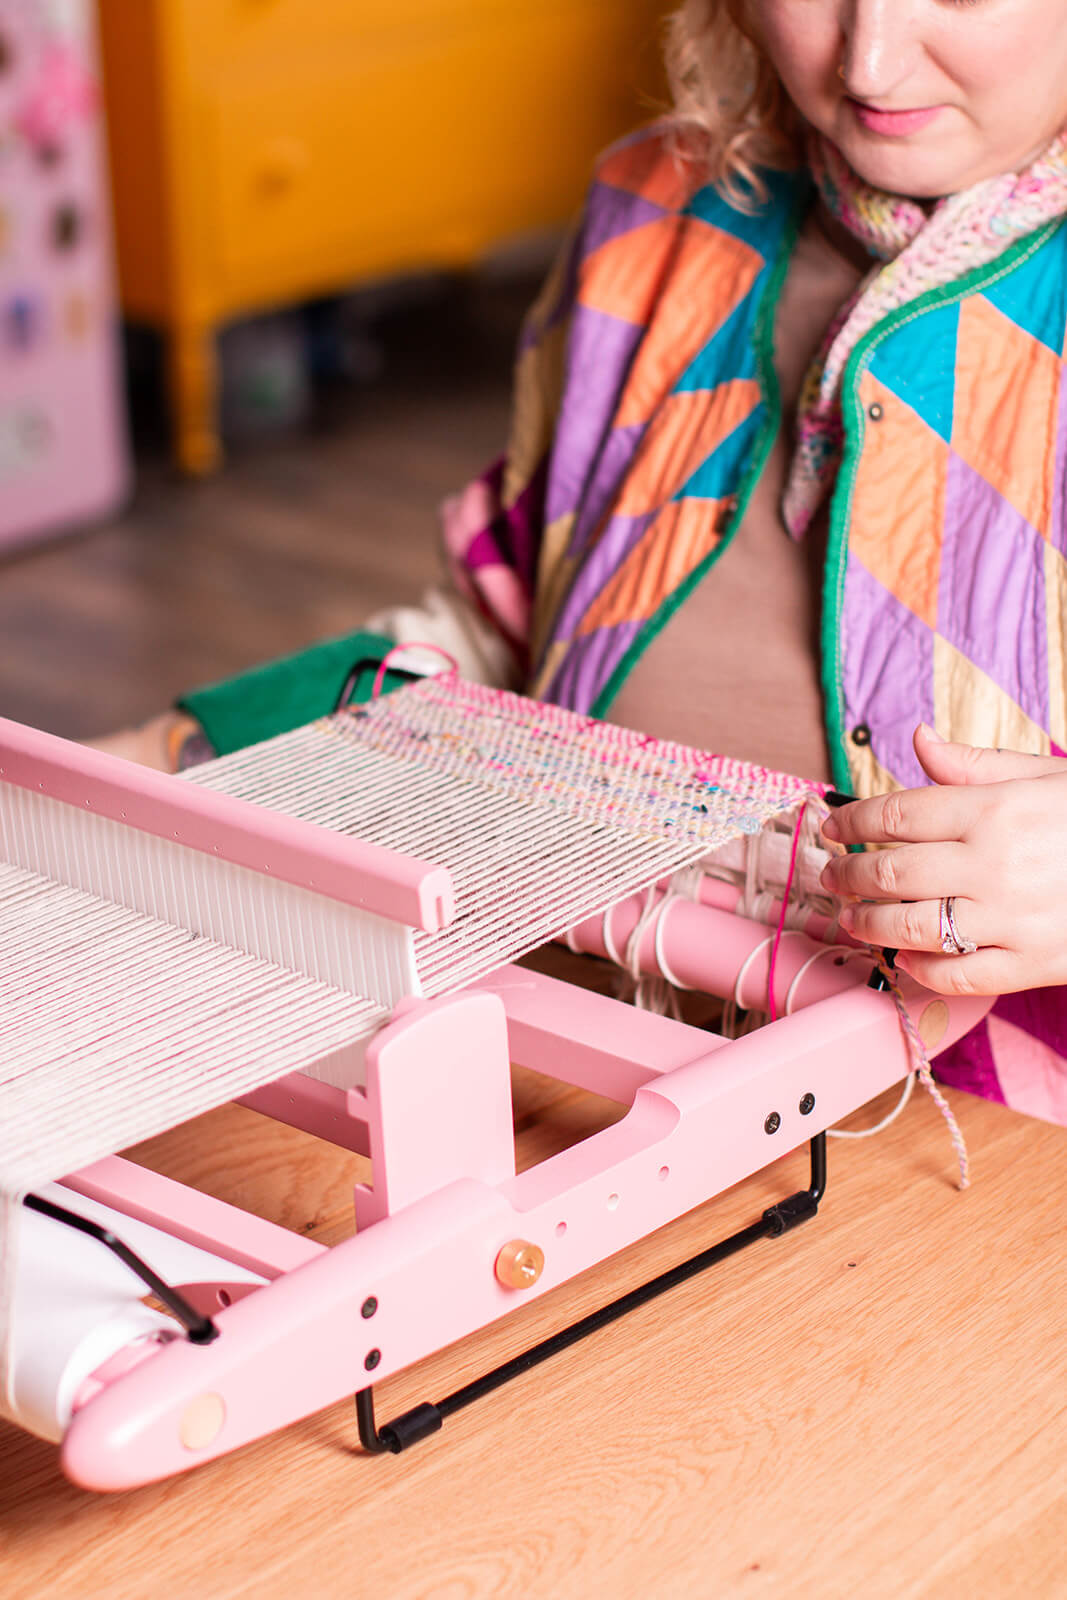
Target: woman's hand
[[992, 833]]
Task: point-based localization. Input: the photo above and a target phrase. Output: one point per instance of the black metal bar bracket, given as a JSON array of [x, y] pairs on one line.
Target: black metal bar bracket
[[199, 1329], [427, 1418], [369, 664]]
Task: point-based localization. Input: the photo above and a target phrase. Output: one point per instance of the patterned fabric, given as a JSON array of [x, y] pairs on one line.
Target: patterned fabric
[[946, 588], [638, 402], [645, 407], [540, 755], [923, 250]]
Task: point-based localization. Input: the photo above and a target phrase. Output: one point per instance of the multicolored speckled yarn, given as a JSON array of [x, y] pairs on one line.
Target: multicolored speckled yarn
[[922, 249]]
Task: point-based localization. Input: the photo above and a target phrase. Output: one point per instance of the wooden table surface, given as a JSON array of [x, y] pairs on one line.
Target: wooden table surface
[[875, 1405]]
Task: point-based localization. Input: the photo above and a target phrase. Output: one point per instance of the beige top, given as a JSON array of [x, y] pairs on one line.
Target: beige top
[[736, 669]]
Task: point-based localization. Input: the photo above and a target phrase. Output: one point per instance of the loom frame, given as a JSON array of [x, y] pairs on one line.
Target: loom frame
[[701, 1113], [424, 1261]]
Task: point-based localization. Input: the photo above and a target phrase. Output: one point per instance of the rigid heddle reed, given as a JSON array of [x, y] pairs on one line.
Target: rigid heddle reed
[[125, 1016]]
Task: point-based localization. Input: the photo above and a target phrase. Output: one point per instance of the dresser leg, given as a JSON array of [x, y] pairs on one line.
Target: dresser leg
[[193, 381]]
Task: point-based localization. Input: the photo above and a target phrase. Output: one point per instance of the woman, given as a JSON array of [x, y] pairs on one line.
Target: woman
[[786, 474]]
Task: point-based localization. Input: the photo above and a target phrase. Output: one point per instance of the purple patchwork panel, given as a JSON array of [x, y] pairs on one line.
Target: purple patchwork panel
[[887, 656], [991, 601], [590, 662], [599, 566], [612, 465], [969, 1065], [609, 213], [612, 212], [599, 353]]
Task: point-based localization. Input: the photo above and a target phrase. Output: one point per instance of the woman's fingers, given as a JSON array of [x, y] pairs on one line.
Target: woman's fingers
[[989, 971], [912, 872], [970, 764], [907, 816], [914, 926]]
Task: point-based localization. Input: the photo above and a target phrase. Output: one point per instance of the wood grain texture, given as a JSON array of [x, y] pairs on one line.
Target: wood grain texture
[[873, 1406]]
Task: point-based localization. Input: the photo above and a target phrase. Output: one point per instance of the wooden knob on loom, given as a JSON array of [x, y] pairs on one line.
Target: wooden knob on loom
[[520, 1264]]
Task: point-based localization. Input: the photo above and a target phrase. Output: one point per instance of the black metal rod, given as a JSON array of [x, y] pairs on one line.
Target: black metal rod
[[817, 1186], [200, 1329], [369, 664], [426, 1418], [602, 1318], [369, 1437]]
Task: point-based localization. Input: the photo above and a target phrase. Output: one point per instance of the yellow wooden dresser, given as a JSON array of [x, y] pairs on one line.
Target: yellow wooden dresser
[[264, 151]]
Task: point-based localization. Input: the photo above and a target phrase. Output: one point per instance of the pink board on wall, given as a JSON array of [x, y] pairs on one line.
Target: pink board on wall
[[63, 457]]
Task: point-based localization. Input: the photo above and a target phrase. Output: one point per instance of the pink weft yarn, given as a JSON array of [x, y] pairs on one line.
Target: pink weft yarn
[[772, 1009], [922, 250], [397, 650]]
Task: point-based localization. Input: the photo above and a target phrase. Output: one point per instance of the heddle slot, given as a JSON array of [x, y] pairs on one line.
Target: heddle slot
[[355, 871], [295, 928]]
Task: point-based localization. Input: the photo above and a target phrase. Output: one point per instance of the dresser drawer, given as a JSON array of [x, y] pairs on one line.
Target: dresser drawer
[[237, 30], [418, 146]]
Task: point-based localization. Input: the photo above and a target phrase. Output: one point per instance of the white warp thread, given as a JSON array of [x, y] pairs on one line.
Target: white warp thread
[[120, 1024]]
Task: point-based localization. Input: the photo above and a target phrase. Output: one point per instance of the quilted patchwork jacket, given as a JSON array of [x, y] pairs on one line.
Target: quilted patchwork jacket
[[646, 407]]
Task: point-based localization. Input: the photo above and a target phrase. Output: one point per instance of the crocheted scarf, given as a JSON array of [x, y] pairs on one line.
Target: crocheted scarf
[[922, 248]]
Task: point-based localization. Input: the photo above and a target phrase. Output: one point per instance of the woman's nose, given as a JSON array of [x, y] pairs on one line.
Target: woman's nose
[[881, 48]]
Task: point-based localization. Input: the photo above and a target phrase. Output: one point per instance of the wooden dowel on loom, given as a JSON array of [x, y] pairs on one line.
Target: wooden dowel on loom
[[727, 897], [708, 948]]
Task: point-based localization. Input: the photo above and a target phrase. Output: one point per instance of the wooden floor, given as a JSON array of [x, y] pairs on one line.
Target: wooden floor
[[873, 1407], [299, 539]]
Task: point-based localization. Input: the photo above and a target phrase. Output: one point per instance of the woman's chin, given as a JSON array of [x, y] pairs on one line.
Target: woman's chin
[[915, 167]]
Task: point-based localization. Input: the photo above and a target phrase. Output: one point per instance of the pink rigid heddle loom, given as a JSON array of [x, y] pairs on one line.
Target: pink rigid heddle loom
[[323, 927]]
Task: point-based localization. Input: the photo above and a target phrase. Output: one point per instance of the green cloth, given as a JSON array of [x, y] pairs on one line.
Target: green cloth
[[285, 694]]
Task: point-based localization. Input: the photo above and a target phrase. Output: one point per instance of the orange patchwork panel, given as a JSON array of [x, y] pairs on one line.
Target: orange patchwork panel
[[1007, 403], [647, 168], [685, 430], [898, 510], [623, 278], [695, 302], [684, 533]]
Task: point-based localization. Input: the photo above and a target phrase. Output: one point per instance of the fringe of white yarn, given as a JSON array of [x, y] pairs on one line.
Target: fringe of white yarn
[[760, 858]]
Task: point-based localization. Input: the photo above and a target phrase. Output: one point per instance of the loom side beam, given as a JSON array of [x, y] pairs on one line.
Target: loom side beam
[[198, 1219], [397, 887], [427, 1271]]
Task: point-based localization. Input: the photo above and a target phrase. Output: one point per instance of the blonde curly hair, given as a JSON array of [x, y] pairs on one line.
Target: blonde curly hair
[[730, 109]]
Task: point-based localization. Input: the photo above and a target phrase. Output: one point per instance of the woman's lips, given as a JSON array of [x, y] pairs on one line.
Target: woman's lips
[[893, 123]]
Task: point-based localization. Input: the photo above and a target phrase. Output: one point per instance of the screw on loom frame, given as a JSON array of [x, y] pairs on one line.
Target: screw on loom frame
[[423, 1420], [199, 1329]]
